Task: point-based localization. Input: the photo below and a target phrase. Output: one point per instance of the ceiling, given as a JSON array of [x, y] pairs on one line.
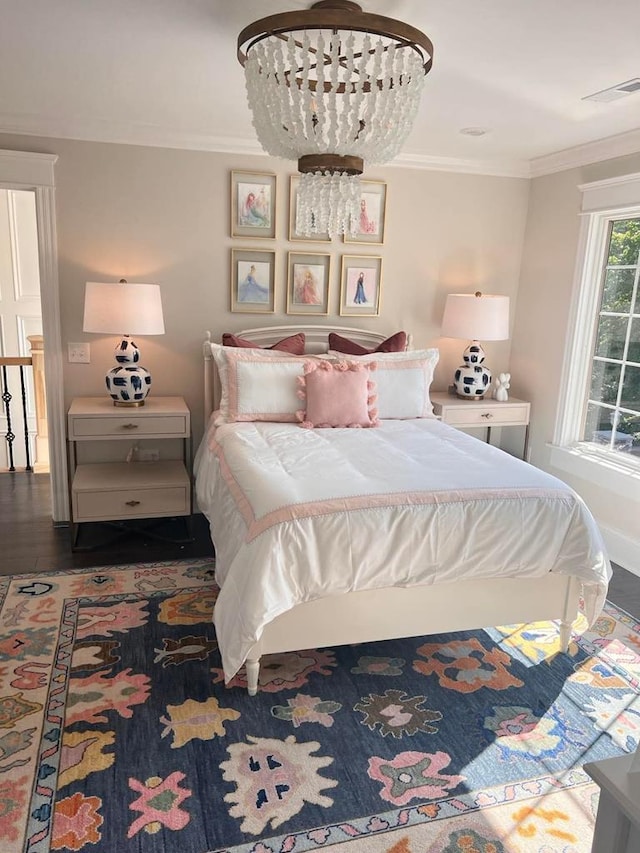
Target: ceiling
[[164, 72]]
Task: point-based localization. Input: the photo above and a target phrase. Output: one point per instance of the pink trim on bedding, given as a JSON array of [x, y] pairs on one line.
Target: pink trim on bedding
[[279, 417], [314, 509], [405, 364], [242, 502]]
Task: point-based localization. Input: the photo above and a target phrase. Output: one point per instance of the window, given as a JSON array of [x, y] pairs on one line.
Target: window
[[599, 414], [612, 408]]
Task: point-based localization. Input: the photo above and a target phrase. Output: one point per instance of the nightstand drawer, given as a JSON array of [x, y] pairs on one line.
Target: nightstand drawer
[[127, 426], [109, 491], [132, 503], [475, 414]]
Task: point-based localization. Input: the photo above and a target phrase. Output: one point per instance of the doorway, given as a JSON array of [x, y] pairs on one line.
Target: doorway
[[23, 418], [28, 179]]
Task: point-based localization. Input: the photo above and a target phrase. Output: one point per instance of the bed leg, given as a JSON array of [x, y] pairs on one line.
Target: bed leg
[[572, 591], [565, 636], [253, 671]]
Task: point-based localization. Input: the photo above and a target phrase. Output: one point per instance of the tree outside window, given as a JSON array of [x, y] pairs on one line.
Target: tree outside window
[[612, 415]]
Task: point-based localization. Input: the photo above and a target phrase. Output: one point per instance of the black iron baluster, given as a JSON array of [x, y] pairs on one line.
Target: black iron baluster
[[23, 391], [6, 397]]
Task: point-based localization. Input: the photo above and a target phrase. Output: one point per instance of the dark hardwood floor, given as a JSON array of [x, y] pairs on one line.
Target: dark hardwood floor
[[30, 543]]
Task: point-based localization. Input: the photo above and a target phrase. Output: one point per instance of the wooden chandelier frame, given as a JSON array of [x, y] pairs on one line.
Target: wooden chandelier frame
[[335, 15]]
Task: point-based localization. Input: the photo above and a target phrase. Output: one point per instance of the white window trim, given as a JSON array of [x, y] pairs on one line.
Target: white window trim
[[600, 467], [601, 200]]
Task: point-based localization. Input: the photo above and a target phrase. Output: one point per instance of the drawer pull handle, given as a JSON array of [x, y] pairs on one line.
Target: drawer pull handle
[[130, 426], [132, 503], [487, 415]]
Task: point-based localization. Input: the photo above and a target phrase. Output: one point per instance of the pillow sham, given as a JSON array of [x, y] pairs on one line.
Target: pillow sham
[[256, 384], [294, 344], [396, 343], [403, 380], [339, 394]]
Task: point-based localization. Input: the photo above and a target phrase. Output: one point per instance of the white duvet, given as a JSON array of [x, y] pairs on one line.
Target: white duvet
[[298, 514]]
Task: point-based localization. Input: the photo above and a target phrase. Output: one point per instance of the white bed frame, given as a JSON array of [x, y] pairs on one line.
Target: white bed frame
[[394, 612]]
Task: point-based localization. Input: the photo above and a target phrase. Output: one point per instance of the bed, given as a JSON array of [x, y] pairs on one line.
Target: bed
[[326, 537]]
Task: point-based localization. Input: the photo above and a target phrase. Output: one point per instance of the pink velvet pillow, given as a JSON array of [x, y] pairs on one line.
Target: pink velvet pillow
[[294, 344], [338, 394], [396, 343]]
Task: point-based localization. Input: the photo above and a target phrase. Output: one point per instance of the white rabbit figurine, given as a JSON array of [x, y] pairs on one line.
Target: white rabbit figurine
[[502, 386]]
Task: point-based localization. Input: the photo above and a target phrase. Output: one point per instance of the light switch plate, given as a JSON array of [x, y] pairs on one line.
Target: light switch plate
[[79, 353]]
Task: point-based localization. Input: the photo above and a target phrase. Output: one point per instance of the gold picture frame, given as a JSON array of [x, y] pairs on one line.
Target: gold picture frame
[[253, 280], [373, 206], [360, 286], [253, 204], [308, 282]]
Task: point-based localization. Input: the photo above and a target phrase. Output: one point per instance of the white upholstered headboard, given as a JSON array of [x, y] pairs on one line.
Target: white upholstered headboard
[[316, 341]]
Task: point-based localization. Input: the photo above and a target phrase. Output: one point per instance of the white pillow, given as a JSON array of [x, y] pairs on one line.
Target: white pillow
[[257, 384], [403, 380]]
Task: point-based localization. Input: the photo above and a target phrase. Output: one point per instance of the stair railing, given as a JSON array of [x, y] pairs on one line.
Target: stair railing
[[6, 397]]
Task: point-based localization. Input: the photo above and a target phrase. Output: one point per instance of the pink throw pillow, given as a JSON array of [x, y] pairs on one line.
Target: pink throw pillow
[[294, 344], [339, 394], [396, 343]]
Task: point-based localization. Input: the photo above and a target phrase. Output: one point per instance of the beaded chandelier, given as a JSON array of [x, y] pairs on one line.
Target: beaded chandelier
[[332, 87]]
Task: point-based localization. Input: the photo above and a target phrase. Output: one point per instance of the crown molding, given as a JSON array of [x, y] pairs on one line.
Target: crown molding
[[583, 155], [148, 135], [495, 168], [157, 137]]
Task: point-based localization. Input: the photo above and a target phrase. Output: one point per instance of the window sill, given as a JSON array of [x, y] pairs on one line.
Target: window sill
[[602, 468]]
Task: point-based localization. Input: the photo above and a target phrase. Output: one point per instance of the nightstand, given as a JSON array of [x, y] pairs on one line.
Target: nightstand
[[121, 491], [618, 821], [486, 413]]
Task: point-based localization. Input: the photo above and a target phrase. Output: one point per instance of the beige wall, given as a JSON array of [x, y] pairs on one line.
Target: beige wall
[[540, 332], [162, 215]]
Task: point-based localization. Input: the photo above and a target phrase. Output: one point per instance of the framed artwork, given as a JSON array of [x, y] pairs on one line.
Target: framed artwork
[[360, 285], [308, 283], [373, 202], [253, 281], [253, 204], [294, 182]]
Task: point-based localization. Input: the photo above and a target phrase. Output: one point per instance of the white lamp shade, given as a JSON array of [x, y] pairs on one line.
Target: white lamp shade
[[123, 309], [477, 318]]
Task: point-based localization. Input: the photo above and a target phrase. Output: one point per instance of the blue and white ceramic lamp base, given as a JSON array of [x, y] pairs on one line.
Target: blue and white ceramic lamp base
[[472, 379], [128, 383]]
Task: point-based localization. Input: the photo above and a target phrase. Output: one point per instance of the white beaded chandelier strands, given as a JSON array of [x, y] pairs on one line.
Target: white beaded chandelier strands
[[334, 88]]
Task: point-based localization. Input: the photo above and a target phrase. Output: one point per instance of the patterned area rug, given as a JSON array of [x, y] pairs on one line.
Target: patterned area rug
[[118, 734]]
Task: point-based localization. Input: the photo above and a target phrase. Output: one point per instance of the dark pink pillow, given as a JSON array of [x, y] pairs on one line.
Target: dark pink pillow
[[294, 345], [339, 394], [396, 343]]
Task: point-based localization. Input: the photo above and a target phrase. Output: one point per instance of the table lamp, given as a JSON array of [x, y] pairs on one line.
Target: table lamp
[[112, 309], [475, 316]]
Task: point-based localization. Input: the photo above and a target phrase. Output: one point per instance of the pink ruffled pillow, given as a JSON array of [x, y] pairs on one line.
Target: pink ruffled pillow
[[337, 394]]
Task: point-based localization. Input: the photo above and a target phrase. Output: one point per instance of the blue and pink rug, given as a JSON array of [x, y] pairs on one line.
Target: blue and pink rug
[[118, 734]]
